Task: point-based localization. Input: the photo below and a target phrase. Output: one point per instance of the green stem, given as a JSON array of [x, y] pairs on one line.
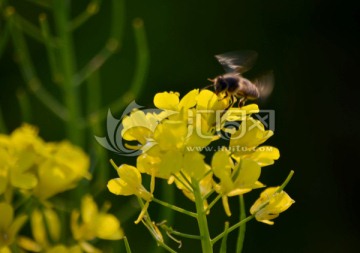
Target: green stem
[[112, 45], [243, 221], [91, 9], [140, 75], [67, 63], [97, 61], [175, 208], [28, 28], [232, 228], [287, 180], [142, 58], [49, 45], [127, 246], [202, 219], [223, 246], [242, 230], [28, 71], [101, 173], [186, 184], [213, 202], [154, 232], [25, 106], [174, 232]]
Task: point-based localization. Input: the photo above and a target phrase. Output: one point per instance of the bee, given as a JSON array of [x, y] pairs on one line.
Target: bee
[[233, 84]]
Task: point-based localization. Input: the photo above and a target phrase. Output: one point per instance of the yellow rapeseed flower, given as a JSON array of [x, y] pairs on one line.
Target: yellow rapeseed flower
[[244, 143], [20, 152], [41, 168], [9, 225], [62, 169], [270, 204], [235, 179], [128, 183], [94, 223]]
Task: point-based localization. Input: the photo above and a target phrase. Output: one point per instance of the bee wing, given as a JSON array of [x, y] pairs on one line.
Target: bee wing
[[237, 61], [265, 84]]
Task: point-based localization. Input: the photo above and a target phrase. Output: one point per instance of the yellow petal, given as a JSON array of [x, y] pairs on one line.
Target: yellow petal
[[248, 174], [109, 227], [5, 250], [7, 215], [171, 163], [250, 134], [221, 163], [148, 164], [167, 101], [53, 223], [24, 180], [208, 100], [17, 225], [28, 244], [189, 100], [226, 206], [38, 227], [118, 186], [194, 165], [89, 209], [88, 248], [170, 134], [265, 155]]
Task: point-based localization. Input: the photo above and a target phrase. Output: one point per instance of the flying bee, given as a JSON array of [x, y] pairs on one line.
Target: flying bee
[[233, 84]]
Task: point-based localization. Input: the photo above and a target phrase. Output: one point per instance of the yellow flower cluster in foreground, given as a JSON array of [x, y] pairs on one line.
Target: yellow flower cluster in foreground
[[174, 139], [39, 168], [31, 172]]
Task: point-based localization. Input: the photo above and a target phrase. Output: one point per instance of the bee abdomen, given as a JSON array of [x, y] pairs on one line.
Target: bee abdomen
[[248, 89]]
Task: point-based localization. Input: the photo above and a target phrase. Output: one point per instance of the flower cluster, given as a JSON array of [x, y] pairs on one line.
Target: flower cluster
[[35, 167], [172, 140], [33, 171]]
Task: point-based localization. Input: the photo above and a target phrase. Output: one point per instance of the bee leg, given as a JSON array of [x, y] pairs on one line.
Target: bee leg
[[242, 102]]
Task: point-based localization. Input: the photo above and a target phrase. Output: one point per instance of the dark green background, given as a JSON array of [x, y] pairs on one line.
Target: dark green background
[[312, 46]]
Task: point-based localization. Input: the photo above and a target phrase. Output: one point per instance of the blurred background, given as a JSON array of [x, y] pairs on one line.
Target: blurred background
[[313, 48]]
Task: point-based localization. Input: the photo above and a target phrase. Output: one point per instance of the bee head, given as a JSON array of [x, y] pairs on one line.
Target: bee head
[[220, 84]]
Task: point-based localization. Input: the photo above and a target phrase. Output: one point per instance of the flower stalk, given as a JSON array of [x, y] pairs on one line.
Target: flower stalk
[[202, 219]]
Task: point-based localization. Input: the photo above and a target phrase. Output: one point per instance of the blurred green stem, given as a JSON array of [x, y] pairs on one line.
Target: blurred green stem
[[67, 63], [112, 44], [28, 71], [28, 28], [91, 9], [25, 106], [50, 48], [101, 174], [142, 66]]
